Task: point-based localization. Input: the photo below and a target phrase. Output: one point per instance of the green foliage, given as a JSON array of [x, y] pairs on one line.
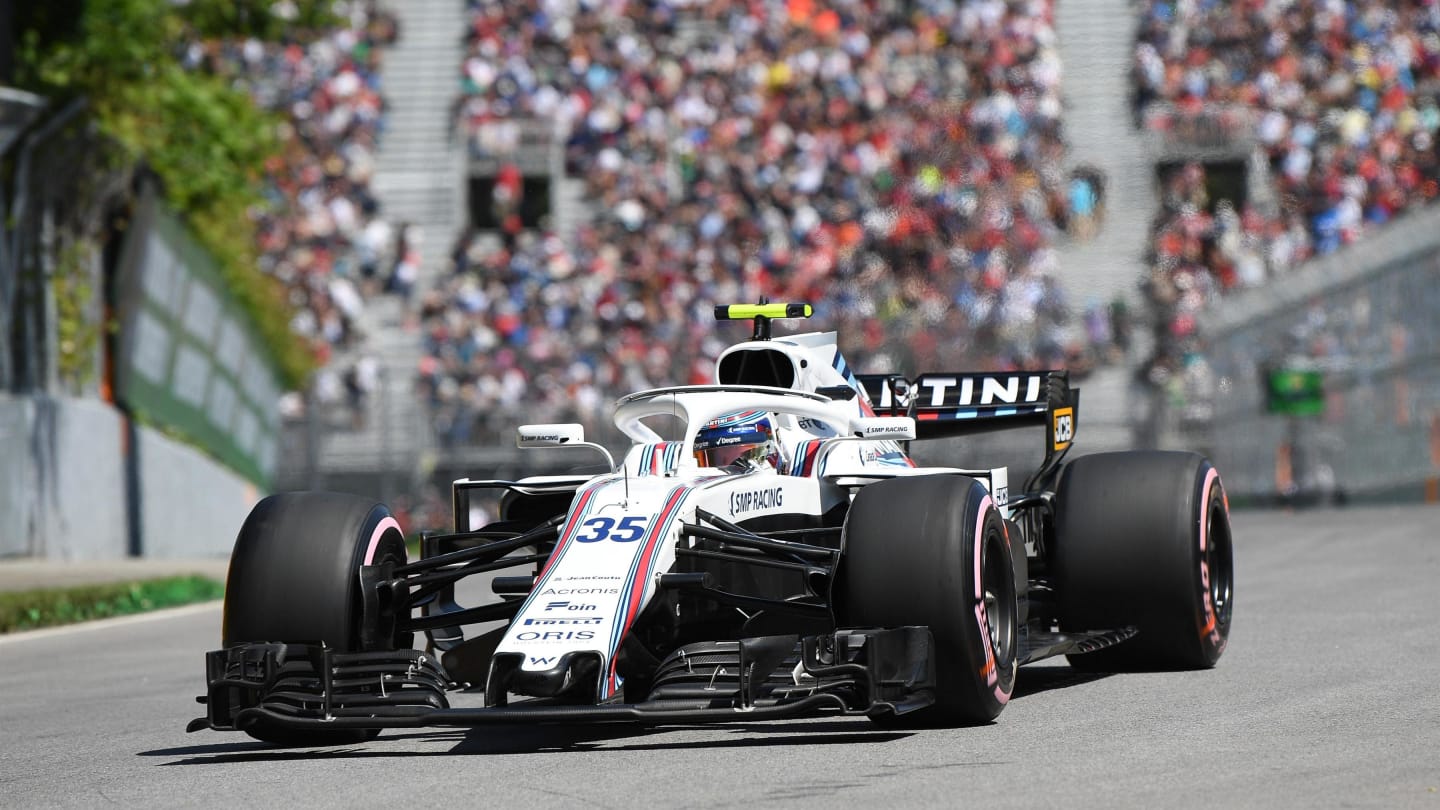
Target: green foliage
[[263, 19], [27, 610], [78, 332], [204, 138]]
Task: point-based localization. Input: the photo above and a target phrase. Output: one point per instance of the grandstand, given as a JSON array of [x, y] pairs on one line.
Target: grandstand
[[567, 184], [490, 212], [902, 166], [1096, 42], [1256, 151], [1293, 129], [419, 176]]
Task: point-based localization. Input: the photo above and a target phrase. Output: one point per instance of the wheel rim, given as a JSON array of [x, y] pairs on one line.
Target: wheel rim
[[1219, 560], [391, 549], [999, 597]]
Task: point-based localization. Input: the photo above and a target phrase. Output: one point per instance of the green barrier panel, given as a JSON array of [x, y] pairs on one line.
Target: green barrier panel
[[189, 361]]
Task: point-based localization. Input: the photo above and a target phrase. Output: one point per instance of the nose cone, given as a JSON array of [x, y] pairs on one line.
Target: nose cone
[[575, 675]]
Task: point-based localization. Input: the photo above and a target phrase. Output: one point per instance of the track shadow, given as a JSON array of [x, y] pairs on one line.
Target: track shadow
[[530, 739], [549, 739], [1034, 680], [519, 739]]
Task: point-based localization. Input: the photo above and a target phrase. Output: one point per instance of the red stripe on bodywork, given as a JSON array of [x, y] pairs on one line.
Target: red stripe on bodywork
[[568, 534], [636, 586], [812, 453]]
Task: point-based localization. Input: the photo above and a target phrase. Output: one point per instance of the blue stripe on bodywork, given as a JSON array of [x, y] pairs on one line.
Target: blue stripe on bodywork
[[635, 579]]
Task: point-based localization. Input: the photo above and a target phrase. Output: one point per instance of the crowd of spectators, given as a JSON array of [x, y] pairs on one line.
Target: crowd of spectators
[[1339, 97], [322, 233], [899, 164]]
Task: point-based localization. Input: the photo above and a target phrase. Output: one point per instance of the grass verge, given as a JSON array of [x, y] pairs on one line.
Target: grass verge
[[28, 610]]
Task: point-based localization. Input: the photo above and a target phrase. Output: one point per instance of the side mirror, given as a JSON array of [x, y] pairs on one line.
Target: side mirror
[[566, 435], [549, 435], [898, 428]]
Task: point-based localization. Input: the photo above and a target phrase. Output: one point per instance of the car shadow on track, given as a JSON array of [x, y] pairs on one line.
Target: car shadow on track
[[1034, 680], [737, 735], [543, 740]]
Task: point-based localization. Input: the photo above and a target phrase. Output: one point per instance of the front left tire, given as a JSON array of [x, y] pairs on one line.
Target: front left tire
[[295, 578], [933, 550]]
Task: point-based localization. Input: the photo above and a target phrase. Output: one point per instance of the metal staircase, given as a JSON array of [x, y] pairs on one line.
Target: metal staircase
[[420, 180], [1097, 40]]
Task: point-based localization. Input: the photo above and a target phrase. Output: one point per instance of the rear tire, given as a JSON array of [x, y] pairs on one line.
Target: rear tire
[[933, 551], [295, 578], [1143, 539]]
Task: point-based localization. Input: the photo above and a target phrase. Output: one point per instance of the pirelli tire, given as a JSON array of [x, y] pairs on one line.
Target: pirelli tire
[[1143, 539], [295, 578], [933, 550]]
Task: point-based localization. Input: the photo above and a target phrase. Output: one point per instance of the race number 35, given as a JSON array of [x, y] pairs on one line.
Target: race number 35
[[626, 530]]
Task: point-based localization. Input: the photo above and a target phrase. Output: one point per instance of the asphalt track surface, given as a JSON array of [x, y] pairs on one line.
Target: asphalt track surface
[[1329, 696]]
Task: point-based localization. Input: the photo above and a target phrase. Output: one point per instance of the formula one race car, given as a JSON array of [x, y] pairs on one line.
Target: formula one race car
[[766, 548]]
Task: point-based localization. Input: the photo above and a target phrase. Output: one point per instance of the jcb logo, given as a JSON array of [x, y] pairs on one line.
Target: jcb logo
[[1064, 427]]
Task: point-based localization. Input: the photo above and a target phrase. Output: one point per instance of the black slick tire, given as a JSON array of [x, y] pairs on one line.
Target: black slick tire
[[295, 578], [933, 550], [1143, 539]]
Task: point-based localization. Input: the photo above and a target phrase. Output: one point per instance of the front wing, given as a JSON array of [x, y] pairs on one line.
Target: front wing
[[298, 686]]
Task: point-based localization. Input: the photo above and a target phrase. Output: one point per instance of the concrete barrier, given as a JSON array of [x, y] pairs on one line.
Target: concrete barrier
[[14, 473], [191, 506], [62, 484], [63, 488]]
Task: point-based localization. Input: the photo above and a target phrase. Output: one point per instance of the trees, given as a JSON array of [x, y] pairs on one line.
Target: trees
[[201, 136]]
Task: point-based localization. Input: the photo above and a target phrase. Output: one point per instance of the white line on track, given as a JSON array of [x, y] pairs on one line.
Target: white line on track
[[105, 624]]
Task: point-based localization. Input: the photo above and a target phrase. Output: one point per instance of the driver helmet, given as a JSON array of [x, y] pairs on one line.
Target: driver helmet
[[742, 439]]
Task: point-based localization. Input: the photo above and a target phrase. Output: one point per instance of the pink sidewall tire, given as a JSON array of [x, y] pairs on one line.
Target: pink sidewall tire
[[932, 550], [295, 578], [1143, 539]]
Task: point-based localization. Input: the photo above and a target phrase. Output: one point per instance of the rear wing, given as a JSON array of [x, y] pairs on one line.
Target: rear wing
[[946, 405]]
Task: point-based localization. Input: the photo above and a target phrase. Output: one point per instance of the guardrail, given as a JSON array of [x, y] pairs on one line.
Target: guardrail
[[533, 144], [1209, 131], [1368, 316]]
